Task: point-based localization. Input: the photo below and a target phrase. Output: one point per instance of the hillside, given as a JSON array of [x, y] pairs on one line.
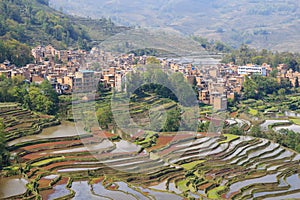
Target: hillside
[[62, 163], [27, 23], [261, 24]]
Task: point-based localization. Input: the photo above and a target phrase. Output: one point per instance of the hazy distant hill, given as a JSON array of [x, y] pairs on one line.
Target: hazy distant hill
[[272, 24]]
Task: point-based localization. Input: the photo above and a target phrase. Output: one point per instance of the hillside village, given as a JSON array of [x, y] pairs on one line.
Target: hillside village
[[70, 71]]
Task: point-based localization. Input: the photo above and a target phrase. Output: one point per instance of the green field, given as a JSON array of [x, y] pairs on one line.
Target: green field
[[191, 165], [47, 161], [295, 121], [229, 138]]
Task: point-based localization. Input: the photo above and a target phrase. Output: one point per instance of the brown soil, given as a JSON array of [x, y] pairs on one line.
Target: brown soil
[[60, 164], [162, 141], [44, 183], [204, 186], [52, 145]]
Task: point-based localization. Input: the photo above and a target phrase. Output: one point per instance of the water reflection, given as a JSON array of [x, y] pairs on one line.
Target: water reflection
[[295, 128], [59, 191], [66, 129], [12, 187]]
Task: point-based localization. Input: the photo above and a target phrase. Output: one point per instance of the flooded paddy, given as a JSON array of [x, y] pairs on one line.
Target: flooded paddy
[[66, 129], [237, 186], [295, 128], [59, 191], [144, 176], [125, 146], [267, 123], [12, 186]]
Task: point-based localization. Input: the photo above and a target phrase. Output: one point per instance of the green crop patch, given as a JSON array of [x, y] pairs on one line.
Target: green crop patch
[[213, 194], [253, 112], [191, 165], [229, 138], [296, 121], [47, 161], [182, 185]]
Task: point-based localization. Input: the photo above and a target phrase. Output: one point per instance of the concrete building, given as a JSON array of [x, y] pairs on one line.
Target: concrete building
[[84, 81], [219, 102], [252, 69]]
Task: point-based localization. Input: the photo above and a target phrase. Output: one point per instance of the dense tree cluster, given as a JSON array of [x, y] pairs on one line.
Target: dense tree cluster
[[245, 55], [172, 123], [27, 23], [258, 87], [284, 137], [172, 86], [104, 116], [153, 80], [23, 20], [41, 98], [16, 52]]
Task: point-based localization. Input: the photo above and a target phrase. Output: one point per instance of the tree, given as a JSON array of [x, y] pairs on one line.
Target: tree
[[16, 52], [293, 64], [104, 116], [298, 147], [203, 127], [297, 83], [274, 73], [183, 90], [172, 123], [235, 130], [281, 93], [285, 83], [48, 91], [250, 88], [42, 99], [256, 131], [152, 61]]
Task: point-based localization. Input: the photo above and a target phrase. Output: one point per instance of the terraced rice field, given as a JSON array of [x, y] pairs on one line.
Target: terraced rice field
[[182, 165], [21, 122]]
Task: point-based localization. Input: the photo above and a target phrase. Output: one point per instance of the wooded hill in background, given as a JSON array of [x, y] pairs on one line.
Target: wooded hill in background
[[27, 23]]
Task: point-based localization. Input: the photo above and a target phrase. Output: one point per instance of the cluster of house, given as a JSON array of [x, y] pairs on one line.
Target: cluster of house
[[59, 67], [70, 71]]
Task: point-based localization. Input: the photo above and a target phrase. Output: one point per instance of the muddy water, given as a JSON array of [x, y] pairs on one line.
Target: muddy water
[[124, 146], [11, 187], [66, 129], [96, 147]]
